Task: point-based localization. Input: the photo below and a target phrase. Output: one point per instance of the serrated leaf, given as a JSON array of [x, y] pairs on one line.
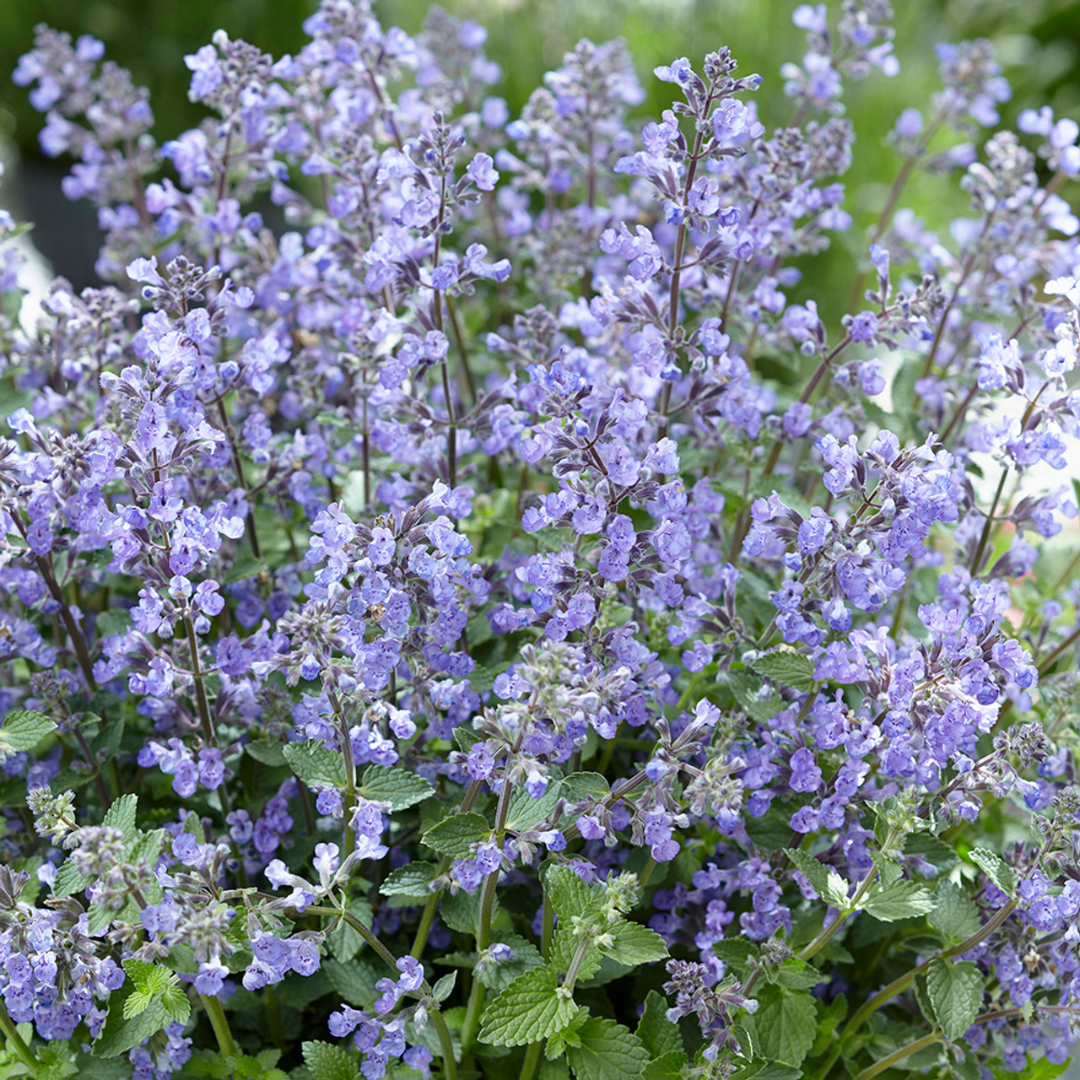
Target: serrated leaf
[[795, 974], [746, 689], [121, 815], [267, 752], [176, 1003], [355, 982], [398, 787], [344, 941], [530, 1008], [787, 669], [325, 1061], [137, 1003], [569, 895], [410, 880], [954, 914], [824, 880], [558, 1041], [498, 976], [901, 900], [525, 812], [668, 1066], [140, 972], [456, 835], [23, 729], [635, 944], [736, 953], [995, 869], [772, 830], [608, 1051], [564, 946], [933, 850], [314, 764], [956, 993], [657, 1033], [119, 1034], [784, 1025], [579, 786]]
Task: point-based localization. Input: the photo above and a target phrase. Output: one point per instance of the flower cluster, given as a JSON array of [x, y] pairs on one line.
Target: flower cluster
[[457, 544]]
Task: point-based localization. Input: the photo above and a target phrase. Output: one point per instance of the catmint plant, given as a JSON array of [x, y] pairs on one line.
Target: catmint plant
[[467, 611]]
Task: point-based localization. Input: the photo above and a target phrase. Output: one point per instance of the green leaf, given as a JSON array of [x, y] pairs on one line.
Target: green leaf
[[932, 849], [267, 752], [995, 869], [634, 944], [119, 1033], [444, 987], [69, 881], [344, 941], [747, 690], [736, 953], [176, 1004], [795, 974], [565, 945], [498, 977], [121, 815], [355, 982], [569, 895], [398, 787], [824, 880], [954, 914], [668, 1066], [956, 994], [579, 786], [137, 1003], [530, 1008], [558, 1041], [23, 729], [657, 1033], [141, 973], [772, 830], [410, 880], [785, 1024], [787, 669], [525, 812], [456, 835], [315, 764], [608, 1051], [325, 1061], [898, 901]]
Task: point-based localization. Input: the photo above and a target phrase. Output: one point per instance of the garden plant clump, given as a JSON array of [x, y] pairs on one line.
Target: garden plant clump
[[462, 617]]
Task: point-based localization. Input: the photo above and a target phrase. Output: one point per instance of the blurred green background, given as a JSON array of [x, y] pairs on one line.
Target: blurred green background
[[1038, 43]]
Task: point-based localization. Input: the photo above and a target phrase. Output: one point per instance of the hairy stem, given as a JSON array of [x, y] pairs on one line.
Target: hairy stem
[[218, 1021], [16, 1042]]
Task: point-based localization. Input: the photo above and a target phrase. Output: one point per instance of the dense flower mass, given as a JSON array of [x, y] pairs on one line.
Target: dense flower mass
[[466, 608]]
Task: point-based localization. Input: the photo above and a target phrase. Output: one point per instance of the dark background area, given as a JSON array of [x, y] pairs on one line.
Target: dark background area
[[1038, 43]]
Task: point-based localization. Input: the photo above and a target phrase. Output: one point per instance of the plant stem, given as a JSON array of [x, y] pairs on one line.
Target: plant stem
[[547, 931], [899, 1055], [528, 1066], [16, 1042], [216, 1015], [428, 916], [899, 985], [383, 952], [200, 687], [449, 1064], [483, 934], [349, 839], [976, 559]]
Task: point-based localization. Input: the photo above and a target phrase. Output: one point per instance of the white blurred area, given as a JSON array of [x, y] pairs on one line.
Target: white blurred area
[[36, 272]]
